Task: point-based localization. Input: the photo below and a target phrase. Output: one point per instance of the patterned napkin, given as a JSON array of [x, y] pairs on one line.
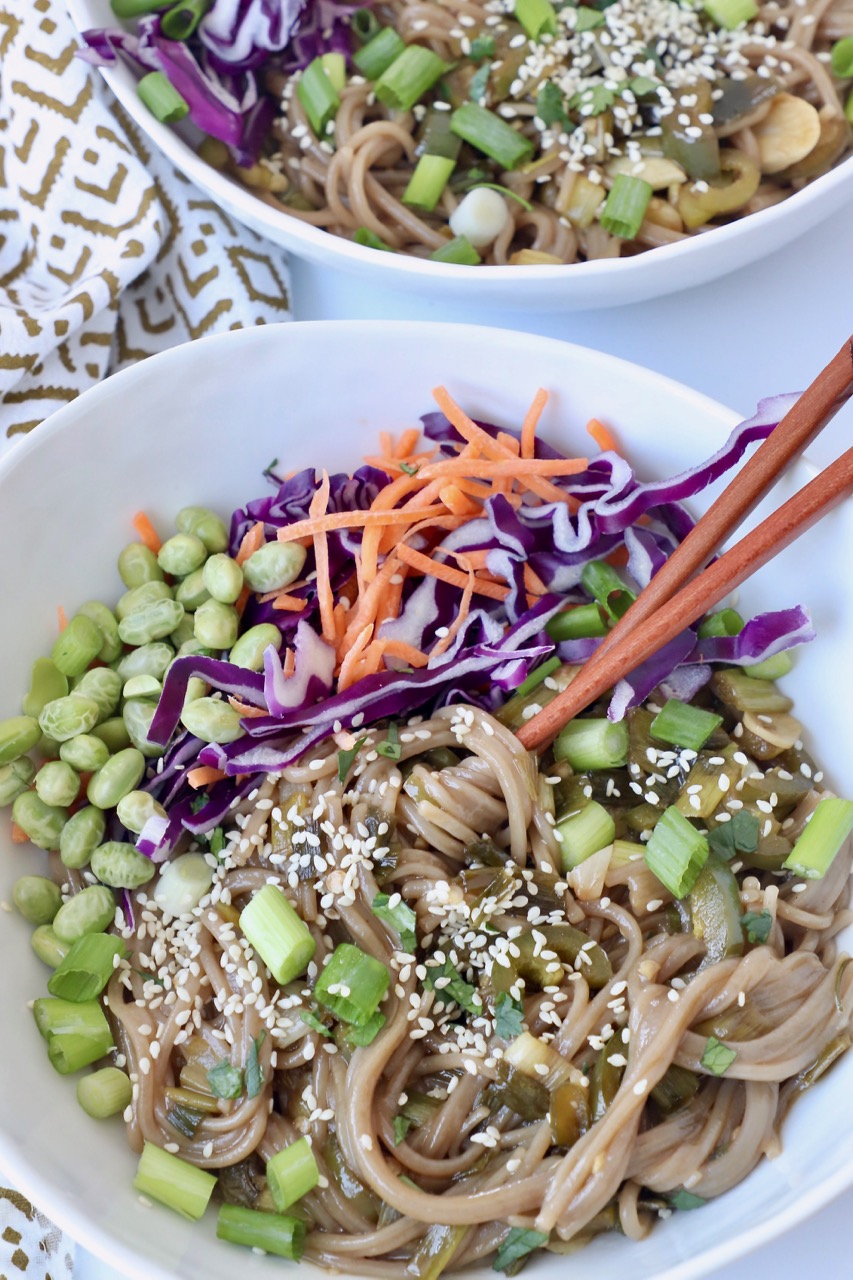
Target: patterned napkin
[[107, 254], [30, 1246]]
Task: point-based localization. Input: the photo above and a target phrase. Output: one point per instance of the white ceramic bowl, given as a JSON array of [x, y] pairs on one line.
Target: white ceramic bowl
[[199, 424], [585, 285]]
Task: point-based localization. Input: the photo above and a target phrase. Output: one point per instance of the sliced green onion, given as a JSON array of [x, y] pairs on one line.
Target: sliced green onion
[[366, 1032], [378, 54], [161, 98], [435, 1252], [335, 67], [491, 135], [536, 677], [602, 582], [460, 251], [436, 137], [87, 968], [352, 984], [134, 8], [824, 834], [482, 47], [479, 83], [292, 1173], [676, 852], [271, 1232], [77, 1034], [173, 1182], [625, 206], [225, 1080], [365, 25], [625, 852], [254, 1070], [370, 240], [593, 744], [281, 939], [685, 1200], [401, 917], [842, 58], [780, 664], [580, 623], [584, 833], [428, 182], [589, 20], [181, 21], [346, 759], [730, 13], [318, 97], [409, 77], [683, 725], [104, 1093], [537, 17], [727, 622]]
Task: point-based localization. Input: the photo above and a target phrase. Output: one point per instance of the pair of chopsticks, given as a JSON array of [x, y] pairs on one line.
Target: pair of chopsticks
[[675, 598]]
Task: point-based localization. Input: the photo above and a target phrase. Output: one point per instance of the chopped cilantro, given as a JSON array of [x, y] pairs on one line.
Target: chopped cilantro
[[345, 759], [390, 748], [254, 1071], [456, 989], [718, 1057], [150, 977], [551, 105], [738, 836], [517, 1244], [217, 841], [269, 471], [402, 1125], [509, 1017], [757, 925], [311, 1020], [589, 19], [594, 100], [641, 85], [409, 470], [479, 83], [225, 1080], [198, 802], [686, 1200], [367, 1032], [482, 47], [401, 917]]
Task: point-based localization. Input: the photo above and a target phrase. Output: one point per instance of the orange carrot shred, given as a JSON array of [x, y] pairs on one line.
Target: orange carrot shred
[[352, 520], [289, 665], [19, 835], [368, 603], [406, 443], [147, 532], [247, 711], [457, 502], [347, 675], [531, 422], [203, 776], [386, 444], [405, 652], [252, 539], [242, 600], [61, 618], [456, 579], [533, 582], [602, 435], [293, 604], [445, 641]]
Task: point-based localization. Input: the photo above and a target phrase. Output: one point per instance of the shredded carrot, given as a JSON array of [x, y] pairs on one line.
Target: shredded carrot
[[406, 444], [289, 665], [353, 520], [533, 582], [242, 600], [490, 468], [405, 652], [293, 604], [509, 443], [444, 642], [386, 444], [396, 467], [602, 435], [452, 576], [253, 539], [618, 558], [19, 835], [147, 532], [247, 711], [348, 673], [457, 502], [368, 603], [531, 422], [204, 775], [61, 618], [340, 618]]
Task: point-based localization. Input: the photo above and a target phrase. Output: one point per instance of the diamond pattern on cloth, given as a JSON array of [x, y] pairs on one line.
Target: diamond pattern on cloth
[[31, 1248], [107, 253]]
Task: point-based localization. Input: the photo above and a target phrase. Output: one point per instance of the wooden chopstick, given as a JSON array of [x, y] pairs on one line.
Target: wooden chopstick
[[661, 611]]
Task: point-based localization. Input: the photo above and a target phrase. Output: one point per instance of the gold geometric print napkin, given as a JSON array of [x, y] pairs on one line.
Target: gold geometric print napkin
[[31, 1248], [107, 254]]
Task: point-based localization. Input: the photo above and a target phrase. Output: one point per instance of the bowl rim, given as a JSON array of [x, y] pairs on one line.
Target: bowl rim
[[322, 246], [36, 1184]]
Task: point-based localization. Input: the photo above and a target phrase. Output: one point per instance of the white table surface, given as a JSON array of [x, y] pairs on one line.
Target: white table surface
[[769, 328]]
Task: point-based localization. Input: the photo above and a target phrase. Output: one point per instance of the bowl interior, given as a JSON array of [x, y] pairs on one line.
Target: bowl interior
[[601, 283], [199, 424]]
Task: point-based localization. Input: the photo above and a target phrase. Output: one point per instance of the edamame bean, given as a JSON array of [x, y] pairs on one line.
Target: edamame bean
[[147, 660], [249, 649], [46, 683], [81, 835], [223, 578], [142, 687], [137, 564], [151, 623], [65, 717], [184, 631], [78, 645], [192, 592], [113, 733], [216, 624], [122, 773], [90, 911], [196, 688], [136, 808], [37, 898], [211, 720], [18, 735], [48, 747], [194, 649], [86, 753], [121, 866], [15, 778], [41, 823], [274, 566], [139, 597], [49, 949], [138, 714], [104, 687], [182, 554], [105, 620], [57, 783], [204, 524]]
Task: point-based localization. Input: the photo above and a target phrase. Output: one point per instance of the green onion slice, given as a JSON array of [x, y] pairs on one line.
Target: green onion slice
[[162, 98], [318, 96], [378, 54], [825, 833], [459, 251], [409, 77], [87, 968], [352, 984], [173, 1182], [428, 181], [625, 206], [270, 1232], [730, 13], [292, 1173], [538, 17], [280, 937], [490, 134], [676, 852], [683, 725]]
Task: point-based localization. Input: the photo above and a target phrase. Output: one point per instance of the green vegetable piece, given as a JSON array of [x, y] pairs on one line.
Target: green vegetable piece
[[138, 714], [377, 55], [517, 1244], [78, 645], [103, 686], [184, 631], [738, 835], [76, 1033], [292, 1173], [842, 58], [183, 882], [223, 578], [352, 984], [140, 597], [121, 866], [676, 852], [85, 753], [757, 926], [400, 917], [212, 720], [346, 758], [216, 624], [225, 1080], [15, 778], [136, 808], [87, 968], [153, 622], [18, 735], [142, 687], [584, 833], [148, 660], [269, 1232], [717, 1057], [37, 898], [47, 946], [92, 910], [161, 98], [730, 13], [684, 1200], [174, 1182], [113, 733], [715, 911], [105, 620], [509, 1017], [593, 744], [538, 18], [409, 77], [825, 833], [774, 667], [182, 555], [46, 683], [67, 717], [137, 564], [254, 1070], [274, 566], [282, 940], [80, 837], [122, 773], [206, 525], [249, 650], [104, 1093], [192, 592], [684, 725], [42, 823], [57, 783]]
